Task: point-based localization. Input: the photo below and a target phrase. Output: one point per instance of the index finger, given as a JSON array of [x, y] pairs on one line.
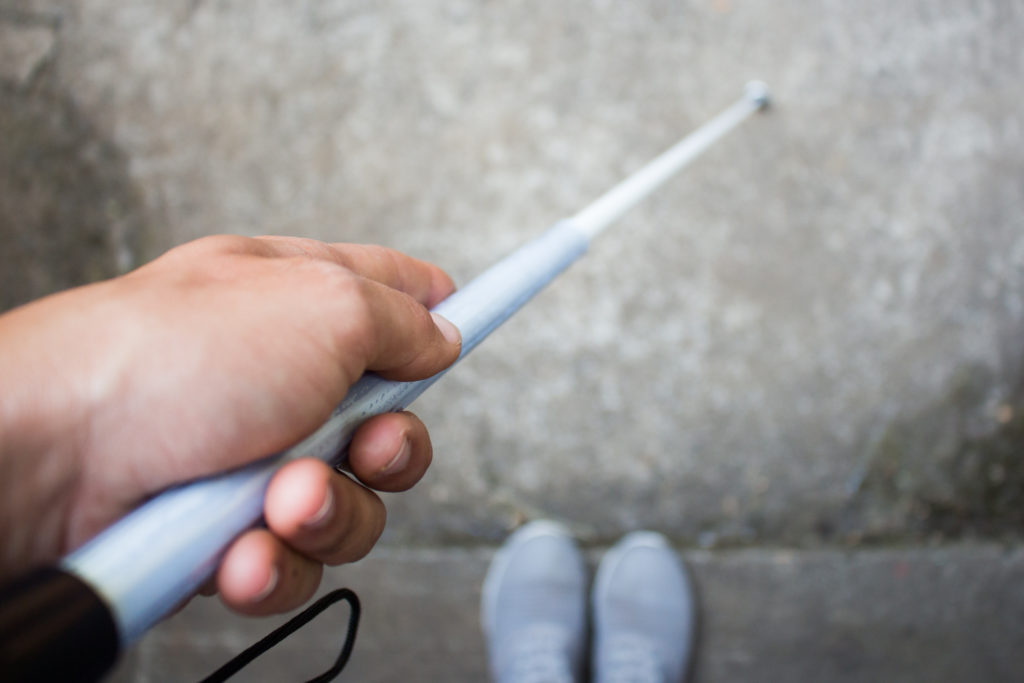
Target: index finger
[[421, 280], [398, 337]]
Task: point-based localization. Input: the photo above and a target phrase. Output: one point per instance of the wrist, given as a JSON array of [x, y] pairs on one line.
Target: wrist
[[39, 468]]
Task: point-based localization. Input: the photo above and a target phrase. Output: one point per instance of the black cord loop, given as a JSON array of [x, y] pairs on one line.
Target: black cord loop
[[277, 635]]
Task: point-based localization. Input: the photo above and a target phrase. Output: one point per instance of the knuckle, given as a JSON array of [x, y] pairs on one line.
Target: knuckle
[[358, 531], [352, 311], [387, 261], [206, 258], [339, 282], [335, 285], [221, 244], [384, 265]]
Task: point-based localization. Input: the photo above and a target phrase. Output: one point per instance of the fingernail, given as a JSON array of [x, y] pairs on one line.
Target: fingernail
[[269, 588], [400, 459], [448, 330], [323, 515]]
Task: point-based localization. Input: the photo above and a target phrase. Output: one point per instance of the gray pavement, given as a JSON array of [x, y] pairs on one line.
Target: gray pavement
[[918, 614], [810, 340], [812, 334]]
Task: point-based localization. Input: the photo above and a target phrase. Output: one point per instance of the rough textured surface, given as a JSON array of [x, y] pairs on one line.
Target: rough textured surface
[[22, 50], [798, 340], [811, 338], [943, 614], [69, 213]]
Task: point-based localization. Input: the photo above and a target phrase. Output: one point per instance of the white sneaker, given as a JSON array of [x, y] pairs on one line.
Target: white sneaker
[[644, 613], [534, 607]]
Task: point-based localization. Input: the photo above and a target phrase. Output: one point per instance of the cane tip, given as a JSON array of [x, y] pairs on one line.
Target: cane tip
[[758, 94]]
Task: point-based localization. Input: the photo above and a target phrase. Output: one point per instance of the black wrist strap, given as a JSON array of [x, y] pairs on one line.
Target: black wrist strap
[[282, 632]]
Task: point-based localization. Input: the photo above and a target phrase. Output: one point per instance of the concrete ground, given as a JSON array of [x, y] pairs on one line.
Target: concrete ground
[[948, 613], [801, 360]]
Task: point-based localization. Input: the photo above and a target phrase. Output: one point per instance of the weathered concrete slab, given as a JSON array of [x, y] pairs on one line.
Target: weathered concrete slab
[[69, 214], [916, 614], [813, 335], [22, 50]]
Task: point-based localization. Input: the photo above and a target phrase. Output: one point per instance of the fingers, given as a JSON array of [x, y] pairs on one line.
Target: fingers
[[390, 452], [407, 341], [423, 281], [397, 336], [322, 514], [316, 516], [261, 575], [330, 518], [356, 308]]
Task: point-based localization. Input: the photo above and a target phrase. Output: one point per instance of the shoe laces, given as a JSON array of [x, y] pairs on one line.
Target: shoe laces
[[629, 658], [541, 654]]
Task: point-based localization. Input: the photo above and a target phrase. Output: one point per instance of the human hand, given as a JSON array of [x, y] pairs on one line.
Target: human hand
[[218, 353]]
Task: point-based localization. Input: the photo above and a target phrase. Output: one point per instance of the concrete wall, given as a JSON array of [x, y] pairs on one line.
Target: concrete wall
[[812, 335]]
